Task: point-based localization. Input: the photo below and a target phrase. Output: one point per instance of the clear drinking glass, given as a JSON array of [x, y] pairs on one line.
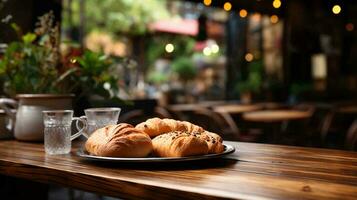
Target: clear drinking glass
[[97, 118], [57, 132]]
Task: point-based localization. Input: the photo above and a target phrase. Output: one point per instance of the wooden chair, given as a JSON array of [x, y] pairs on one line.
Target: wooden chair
[[326, 125], [221, 123], [162, 112], [335, 125], [317, 124], [351, 137], [133, 117], [208, 120]]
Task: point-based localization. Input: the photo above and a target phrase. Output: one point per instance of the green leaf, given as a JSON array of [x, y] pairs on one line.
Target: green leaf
[[29, 38], [17, 29]]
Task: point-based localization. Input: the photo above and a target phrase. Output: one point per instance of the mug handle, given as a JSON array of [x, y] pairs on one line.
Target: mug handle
[[6, 104], [80, 130]]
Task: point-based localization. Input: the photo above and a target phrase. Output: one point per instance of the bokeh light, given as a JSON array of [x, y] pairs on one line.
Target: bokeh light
[[243, 13], [336, 9], [215, 48], [207, 51], [207, 2], [249, 57], [274, 19], [169, 48], [350, 27], [276, 3], [227, 6]]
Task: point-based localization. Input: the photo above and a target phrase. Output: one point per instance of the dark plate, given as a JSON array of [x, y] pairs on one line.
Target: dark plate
[[228, 149]]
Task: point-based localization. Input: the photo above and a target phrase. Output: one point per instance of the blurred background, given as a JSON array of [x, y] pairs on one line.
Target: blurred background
[[270, 71], [266, 71]]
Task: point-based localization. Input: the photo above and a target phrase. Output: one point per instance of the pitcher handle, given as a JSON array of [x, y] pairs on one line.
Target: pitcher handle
[[5, 104]]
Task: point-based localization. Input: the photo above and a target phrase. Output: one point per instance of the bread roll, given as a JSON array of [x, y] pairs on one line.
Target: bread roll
[[179, 144], [214, 142], [122, 140], [156, 126]]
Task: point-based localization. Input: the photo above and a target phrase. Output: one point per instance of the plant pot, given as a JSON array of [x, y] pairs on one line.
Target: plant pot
[[28, 124]]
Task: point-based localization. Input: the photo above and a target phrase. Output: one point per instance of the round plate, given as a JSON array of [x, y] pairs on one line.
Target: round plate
[[228, 149]]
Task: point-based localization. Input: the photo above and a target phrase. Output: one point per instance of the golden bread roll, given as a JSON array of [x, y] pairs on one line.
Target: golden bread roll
[[214, 142], [179, 144], [122, 140], [156, 126]]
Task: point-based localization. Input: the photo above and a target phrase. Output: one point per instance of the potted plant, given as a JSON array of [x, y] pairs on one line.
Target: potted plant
[[30, 71], [34, 73], [94, 80]]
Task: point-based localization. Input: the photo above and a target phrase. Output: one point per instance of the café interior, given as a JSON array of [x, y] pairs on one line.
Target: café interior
[[276, 73]]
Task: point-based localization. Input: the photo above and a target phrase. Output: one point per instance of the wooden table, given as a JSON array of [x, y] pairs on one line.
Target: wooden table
[[276, 115], [272, 105], [187, 107], [254, 171], [275, 121], [232, 113], [237, 108]]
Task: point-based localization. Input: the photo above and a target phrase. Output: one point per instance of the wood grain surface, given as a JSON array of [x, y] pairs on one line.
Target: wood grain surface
[[254, 171]]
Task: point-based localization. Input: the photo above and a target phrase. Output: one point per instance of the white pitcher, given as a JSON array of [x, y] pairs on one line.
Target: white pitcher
[[28, 119]]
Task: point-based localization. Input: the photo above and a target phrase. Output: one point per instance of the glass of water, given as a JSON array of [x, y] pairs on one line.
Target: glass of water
[[57, 130], [98, 118]]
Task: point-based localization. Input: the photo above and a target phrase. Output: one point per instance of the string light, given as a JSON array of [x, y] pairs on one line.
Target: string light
[[276, 3], [207, 2], [227, 6], [169, 48], [274, 19], [336, 9], [243, 13]]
